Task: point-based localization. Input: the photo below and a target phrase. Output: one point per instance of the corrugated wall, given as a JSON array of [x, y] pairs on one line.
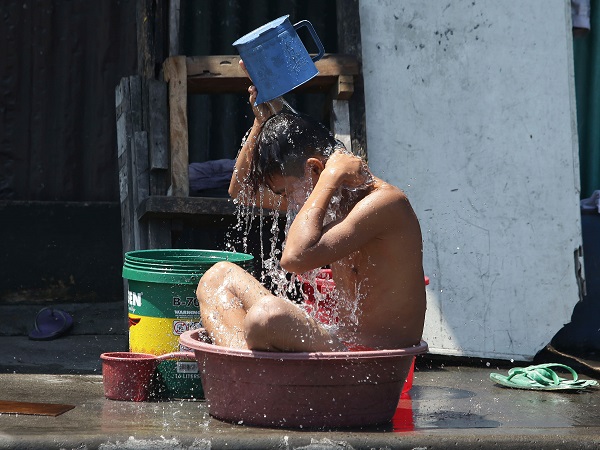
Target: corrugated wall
[[59, 64]]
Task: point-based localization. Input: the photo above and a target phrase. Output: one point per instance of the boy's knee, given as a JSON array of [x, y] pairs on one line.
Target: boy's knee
[[213, 277], [264, 322], [218, 271], [261, 316]]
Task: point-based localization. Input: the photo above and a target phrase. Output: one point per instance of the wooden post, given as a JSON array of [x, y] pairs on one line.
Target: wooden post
[[136, 115], [140, 181], [127, 126], [174, 19], [124, 133], [158, 136], [341, 92], [158, 124], [145, 40], [175, 71], [340, 122], [349, 42]]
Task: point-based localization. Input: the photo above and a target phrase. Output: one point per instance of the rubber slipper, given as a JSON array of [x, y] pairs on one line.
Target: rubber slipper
[[541, 377], [50, 323]]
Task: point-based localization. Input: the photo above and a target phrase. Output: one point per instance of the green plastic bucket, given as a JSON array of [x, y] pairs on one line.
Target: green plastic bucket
[[162, 304]]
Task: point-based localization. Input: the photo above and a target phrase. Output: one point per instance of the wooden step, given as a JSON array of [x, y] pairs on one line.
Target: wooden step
[[223, 74]]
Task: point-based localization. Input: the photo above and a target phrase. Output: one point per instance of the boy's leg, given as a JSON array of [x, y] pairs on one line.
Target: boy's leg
[[238, 311], [274, 323], [225, 292]]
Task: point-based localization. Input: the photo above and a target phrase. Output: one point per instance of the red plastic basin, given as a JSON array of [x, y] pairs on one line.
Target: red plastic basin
[[309, 390]]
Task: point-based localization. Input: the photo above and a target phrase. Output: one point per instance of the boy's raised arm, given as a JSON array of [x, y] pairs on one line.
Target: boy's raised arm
[[243, 162], [241, 171], [309, 244]]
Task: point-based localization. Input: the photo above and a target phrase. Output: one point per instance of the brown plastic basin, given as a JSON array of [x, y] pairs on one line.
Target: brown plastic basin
[[310, 390]]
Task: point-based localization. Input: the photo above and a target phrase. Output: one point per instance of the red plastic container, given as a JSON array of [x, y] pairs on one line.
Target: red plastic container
[[325, 306], [306, 390], [128, 376]]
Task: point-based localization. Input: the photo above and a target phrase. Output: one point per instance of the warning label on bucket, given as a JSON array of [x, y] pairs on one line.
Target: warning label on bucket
[[185, 313], [187, 367], [180, 326]]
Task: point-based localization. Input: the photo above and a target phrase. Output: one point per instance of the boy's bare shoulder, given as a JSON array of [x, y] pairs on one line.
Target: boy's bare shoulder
[[386, 195], [385, 204]]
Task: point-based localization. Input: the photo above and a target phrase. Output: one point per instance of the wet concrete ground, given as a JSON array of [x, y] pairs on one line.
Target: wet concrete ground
[[450, 406]]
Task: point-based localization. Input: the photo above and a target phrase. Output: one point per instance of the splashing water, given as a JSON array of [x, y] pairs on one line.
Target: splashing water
[[282, 283], [288, 106]]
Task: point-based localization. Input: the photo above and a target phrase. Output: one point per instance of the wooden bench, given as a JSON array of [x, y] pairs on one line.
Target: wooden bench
[[152, 137]]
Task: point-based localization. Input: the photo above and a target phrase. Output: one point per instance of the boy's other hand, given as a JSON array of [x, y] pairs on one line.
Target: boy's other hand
[[348, 170], [265, 110]]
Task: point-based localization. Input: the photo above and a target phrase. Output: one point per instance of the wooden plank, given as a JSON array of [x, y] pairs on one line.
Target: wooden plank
[[135, 104], [136, 120], [124, 132], [126, 210], [340, 122], [122, 104], [158, 130], [159, 182], [182, 207], [160, 34], [140, 165], [122, 108], [158, 136], [227, 66], [349, 42], [174, 21], [335, 64], [222, 73], [145, 38], [159, 233], [343, 88], [176, 74], [36, 409], [140, 182]]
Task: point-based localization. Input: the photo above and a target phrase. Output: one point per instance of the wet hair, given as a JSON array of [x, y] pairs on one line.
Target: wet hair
[[286, 141]]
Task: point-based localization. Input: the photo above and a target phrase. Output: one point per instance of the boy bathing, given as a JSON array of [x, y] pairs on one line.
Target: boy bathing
[[371, 240]]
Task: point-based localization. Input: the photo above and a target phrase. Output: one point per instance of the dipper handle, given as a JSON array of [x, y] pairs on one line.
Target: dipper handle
[[177, 355], [313, 33]]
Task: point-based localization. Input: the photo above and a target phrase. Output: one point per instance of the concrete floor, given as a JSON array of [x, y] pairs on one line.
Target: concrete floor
[[450, 406]]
